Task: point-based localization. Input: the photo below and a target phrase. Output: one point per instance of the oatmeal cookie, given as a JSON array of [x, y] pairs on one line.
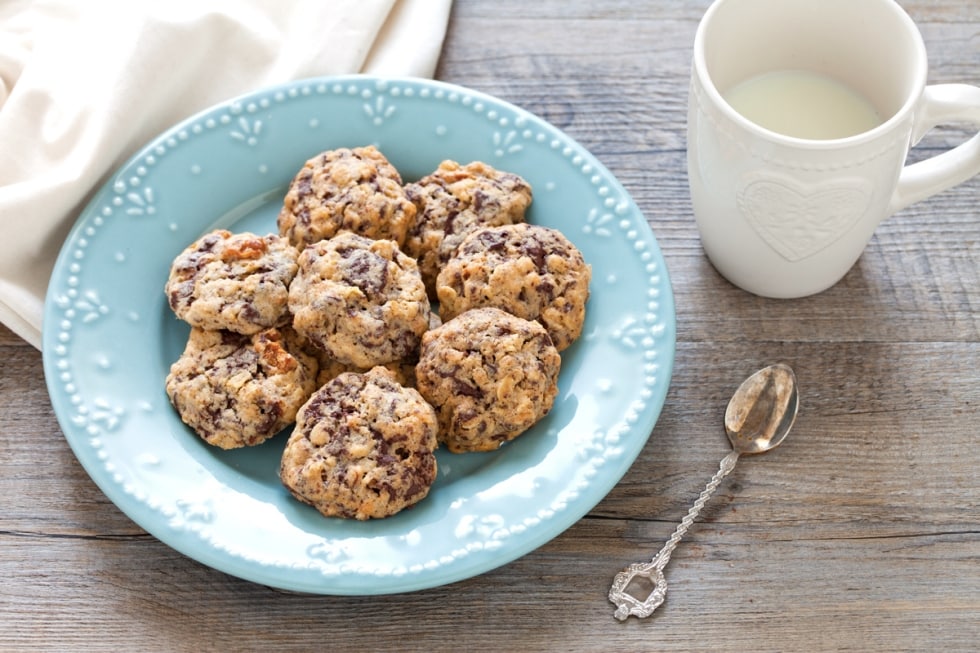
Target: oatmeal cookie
[[490, 375], [237, 282], [363, 447], [359, 300], [355, 190], [528, 270], [403, 370], [236, 390], [454, 201]]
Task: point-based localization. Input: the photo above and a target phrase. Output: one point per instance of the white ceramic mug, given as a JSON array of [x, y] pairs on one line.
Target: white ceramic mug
[[782, 216]]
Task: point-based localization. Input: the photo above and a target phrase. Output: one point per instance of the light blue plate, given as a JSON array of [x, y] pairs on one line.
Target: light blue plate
[[109, 340]]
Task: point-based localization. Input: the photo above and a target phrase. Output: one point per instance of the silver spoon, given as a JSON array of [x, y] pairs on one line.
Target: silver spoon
[[759, 417]]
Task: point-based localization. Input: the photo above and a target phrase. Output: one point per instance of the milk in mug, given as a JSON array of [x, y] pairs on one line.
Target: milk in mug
[[803, 104]]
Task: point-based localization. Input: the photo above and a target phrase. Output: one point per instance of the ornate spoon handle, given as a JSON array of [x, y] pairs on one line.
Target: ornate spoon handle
[[648, 578]]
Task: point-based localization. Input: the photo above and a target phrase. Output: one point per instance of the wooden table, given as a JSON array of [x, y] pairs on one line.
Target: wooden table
[[862, 532]]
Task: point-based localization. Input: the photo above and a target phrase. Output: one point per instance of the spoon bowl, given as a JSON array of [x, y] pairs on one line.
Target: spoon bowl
[[762, 410]]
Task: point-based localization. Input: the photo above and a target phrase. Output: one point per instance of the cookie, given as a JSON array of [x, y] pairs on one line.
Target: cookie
[[356, 190], [491, 375], [531, 271], [403, 370], [363, 447], [361, 301], [239, 282], [454, 201], [236, 390]]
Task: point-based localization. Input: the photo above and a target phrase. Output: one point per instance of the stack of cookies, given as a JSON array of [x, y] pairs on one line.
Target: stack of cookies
[[330, 325]]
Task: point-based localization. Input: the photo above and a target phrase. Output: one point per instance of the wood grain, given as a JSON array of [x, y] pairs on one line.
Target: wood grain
[[859, 533]]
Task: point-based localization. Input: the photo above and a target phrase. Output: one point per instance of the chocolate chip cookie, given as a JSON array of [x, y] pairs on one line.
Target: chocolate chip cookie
[[528, 270], [363, 447], [491, 375], [239, 282], [452, 202], [361, 301], [237, 390], [356, 190]]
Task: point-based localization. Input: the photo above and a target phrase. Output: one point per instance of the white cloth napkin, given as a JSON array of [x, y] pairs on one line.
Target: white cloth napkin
[[86, 83]]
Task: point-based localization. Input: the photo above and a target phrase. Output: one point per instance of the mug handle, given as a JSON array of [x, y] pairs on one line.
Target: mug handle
[[941, 104]]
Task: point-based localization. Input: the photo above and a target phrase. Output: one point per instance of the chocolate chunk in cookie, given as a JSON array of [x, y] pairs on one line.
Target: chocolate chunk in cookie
[[528, 270], [239, 282], [361, 301], [490, 375], [355, 190], [363, 447], [452, 202], [236, 390]]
